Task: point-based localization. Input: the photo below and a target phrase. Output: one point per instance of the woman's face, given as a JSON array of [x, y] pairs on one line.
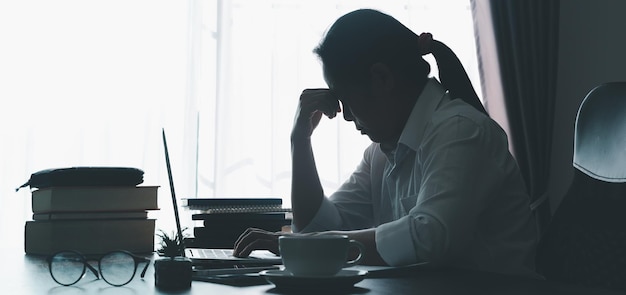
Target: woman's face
[[371, 110]]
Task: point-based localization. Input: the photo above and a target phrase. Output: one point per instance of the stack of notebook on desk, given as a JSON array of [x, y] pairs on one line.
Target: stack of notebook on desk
[[92, 217], [221, 220]]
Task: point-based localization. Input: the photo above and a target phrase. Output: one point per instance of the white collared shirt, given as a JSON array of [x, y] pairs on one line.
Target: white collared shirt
[[449, 194]]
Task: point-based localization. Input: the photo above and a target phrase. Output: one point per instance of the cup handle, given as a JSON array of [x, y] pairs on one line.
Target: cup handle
[[354, 243]]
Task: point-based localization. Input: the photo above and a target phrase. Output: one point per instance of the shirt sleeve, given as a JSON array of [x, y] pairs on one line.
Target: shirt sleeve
[[350, 207], [458, 159]]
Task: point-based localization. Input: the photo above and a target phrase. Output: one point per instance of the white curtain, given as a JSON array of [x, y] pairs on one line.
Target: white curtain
[[88, 83]]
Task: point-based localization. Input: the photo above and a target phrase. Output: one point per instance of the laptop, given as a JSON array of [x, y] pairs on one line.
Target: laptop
[[222, 257]]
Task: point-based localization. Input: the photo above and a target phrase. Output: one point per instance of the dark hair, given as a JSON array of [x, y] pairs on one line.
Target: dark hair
[[363, 37]]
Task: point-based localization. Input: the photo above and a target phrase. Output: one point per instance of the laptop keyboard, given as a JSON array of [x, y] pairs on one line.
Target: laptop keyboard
[[215, 253]]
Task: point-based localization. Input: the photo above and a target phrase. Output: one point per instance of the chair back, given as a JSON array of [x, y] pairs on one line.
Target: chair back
[[600, 133]]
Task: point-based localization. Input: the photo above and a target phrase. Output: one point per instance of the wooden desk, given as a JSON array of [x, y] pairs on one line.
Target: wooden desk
[[23, 274]]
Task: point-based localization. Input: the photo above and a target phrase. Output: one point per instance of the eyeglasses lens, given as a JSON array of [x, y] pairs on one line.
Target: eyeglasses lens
[[117, 268], [67, 268]]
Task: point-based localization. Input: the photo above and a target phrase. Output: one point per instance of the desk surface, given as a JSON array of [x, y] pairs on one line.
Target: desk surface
[[29, 275], [24, 274]]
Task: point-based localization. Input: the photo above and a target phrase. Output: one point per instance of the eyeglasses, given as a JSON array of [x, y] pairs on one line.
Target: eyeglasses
[[117, 268]]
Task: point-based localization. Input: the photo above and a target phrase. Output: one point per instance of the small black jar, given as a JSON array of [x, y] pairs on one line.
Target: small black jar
[[172, 273]]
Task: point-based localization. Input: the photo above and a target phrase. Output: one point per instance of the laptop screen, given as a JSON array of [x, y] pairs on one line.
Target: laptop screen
[[179, 231]]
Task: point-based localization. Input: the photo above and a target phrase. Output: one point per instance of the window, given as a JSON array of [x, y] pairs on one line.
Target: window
[[87, 83], [263, 54]]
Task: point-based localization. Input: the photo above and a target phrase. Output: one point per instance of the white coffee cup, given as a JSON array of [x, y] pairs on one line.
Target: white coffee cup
[[317, 255]]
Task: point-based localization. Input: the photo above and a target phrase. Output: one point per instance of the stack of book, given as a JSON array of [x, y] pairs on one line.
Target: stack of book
[[91, 219], [222, 220]]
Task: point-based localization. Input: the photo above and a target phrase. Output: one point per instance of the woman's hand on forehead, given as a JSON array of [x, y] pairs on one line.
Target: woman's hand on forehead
[[320, 99], [314, 103]]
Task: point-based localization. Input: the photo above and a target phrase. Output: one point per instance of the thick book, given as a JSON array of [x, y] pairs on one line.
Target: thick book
[[89, 236], [216, 235], [84, 198], [240, 226], [225, 236], [91, 215]]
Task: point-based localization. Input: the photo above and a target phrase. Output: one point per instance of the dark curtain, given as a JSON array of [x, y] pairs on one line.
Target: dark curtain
[[526, 35]]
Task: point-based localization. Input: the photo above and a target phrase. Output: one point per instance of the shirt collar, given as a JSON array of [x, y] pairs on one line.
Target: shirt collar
[[428, 101]]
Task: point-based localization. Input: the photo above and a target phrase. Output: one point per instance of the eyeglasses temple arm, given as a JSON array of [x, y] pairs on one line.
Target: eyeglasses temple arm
[[147, 261]]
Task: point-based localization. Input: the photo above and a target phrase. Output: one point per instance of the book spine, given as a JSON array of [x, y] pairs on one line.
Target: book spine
[[237, 217], [91, 215], [101, 199], [238, 209]]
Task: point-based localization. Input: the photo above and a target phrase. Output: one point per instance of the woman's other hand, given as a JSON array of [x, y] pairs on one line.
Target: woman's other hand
[[256, 239]]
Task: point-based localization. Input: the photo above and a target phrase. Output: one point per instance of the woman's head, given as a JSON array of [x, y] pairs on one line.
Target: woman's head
[[364, 37], [370, 62], [374, 66]]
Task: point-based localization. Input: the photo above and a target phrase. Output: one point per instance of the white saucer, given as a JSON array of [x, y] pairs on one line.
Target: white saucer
[[285, 280]]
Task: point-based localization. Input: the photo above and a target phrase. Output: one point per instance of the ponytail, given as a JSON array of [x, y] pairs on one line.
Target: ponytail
[[365, 36], [451, 71]]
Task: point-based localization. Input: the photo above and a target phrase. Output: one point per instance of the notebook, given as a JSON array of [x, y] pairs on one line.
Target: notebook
[[236, 205], [214, 256]]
